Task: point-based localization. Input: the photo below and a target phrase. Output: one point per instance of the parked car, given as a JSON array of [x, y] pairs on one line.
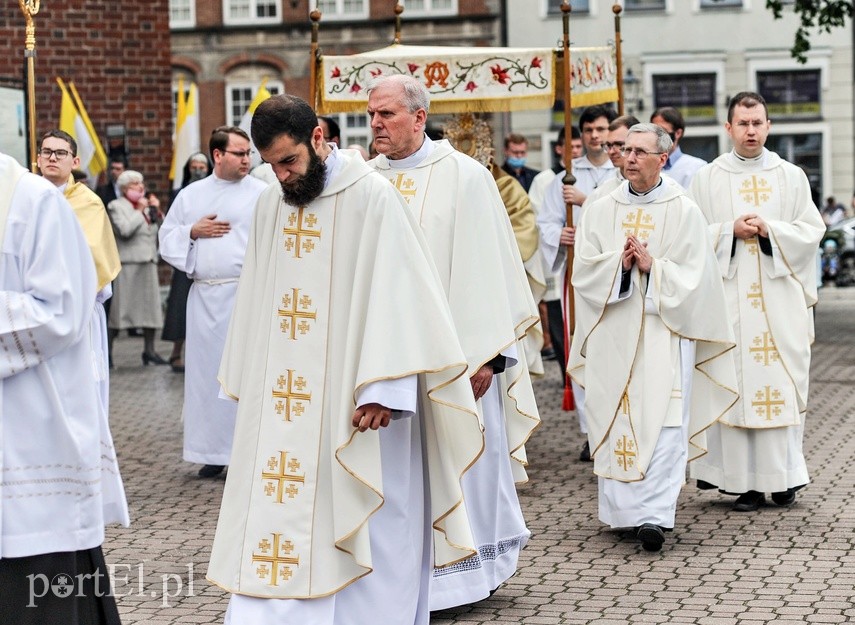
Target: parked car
[[843, 234]]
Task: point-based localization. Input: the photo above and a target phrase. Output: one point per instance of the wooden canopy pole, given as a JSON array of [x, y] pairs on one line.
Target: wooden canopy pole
[[398, 10], [314, 60], [31, 8], [616, 9]]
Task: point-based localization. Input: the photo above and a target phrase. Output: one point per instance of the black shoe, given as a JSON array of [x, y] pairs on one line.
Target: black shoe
[[548, 354], [153, 358], [785, 498], [177, 364], [211, 470], [585, 454], [749, 502], [651, 537], [702, 485]]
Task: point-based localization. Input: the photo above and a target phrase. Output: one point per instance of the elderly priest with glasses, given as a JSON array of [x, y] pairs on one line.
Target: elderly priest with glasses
[[653, 347]]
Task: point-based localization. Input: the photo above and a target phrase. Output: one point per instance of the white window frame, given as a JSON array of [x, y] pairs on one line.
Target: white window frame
[[781, 60], [339, 14], [353, 134], [429, 11], [544, 10], [822, 128], [189, 22], [237, 21], [711, 63], [744, 5], [252, 85], [668, 8]]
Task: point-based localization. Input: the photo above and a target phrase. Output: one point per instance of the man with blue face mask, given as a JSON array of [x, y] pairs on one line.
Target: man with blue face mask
[[516, 151]]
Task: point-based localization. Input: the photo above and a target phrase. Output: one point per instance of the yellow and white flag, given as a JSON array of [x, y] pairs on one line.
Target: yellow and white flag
[[246, 121], [74, 120], [186, 138]]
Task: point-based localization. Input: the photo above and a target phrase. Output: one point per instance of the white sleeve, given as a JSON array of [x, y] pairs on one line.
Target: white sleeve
[[400, 395]]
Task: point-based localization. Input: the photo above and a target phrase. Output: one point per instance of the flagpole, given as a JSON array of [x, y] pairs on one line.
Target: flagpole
[[31, 8], [616, 9], [315, 16], [569, 179], [398, 10]]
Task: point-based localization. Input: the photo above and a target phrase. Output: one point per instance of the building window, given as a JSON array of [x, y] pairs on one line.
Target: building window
[[705, 147], [791, 94], [553, 7], [182, 13], [251, 11], [645, 5], [429, 7], [712, 4], [693, 94], [239, 95], [803, 150], [343, 9]]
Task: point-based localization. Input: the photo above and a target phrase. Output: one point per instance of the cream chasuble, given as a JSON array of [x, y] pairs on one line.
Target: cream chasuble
[[494, 309], [627, 357], [769, 297], [333, 296]]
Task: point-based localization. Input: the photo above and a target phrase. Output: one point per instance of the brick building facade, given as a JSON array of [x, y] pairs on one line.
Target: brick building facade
[[118, 55]]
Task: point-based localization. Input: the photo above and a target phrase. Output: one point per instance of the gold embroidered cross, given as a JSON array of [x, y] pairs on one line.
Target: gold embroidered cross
[[752, 246], [277, 477], [298, 236], [625, 452], [755, 191], [755, 296], [767, 403], [287, 385], [405, 187], [642, 225], [764, 349], [290, 312], [275, 560]]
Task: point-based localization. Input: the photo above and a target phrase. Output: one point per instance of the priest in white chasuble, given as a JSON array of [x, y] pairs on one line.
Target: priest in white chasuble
[[457, 204], [204, 235], [52, 499], [765, 230], [653, 346], [355, 418]]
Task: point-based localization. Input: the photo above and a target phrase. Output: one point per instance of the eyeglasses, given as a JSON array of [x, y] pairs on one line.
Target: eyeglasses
[[639, 152], [618, 145], [245, 154], [59, 154]]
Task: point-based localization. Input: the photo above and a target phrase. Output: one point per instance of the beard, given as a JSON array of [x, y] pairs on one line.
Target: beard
[[308, 186]]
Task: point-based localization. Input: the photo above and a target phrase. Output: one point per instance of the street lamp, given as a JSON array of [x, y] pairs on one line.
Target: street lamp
[[632, 85]]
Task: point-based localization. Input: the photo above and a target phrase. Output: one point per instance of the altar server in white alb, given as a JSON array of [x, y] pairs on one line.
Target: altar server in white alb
[[52, 502], [343, 358], [653, 346], [765, 230], [205, 235], [457, 204]]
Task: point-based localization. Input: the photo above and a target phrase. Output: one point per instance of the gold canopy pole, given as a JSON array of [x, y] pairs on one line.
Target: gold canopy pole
[[31, 8], [314, 61], [616, 9], [398, 10]]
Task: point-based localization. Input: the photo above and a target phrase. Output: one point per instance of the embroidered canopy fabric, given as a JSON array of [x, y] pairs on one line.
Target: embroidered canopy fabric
[[471, 79]]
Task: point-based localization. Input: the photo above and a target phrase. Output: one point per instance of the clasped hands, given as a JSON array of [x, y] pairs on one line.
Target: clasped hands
[[750, 225], [635, 252]]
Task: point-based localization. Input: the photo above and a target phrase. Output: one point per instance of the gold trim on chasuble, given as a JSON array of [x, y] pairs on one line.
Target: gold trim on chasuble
[[768, 398], [280, 527]]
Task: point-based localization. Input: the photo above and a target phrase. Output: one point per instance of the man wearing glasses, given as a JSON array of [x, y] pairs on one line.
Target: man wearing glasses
[[765, 229], [205, 235], [653, 343]]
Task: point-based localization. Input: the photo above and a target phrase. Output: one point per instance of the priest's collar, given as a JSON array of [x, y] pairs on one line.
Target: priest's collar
[[333, 165], [647, 197], [744, 162], [415, 159]]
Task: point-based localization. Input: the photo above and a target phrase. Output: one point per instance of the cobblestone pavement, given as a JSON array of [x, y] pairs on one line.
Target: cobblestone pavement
[[794, 565]]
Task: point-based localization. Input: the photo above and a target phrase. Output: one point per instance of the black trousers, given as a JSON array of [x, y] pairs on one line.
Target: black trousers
[[556, 331]]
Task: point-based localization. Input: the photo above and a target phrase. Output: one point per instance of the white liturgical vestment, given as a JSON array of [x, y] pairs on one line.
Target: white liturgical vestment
[[757, 444], [653, 358], [456, 202], [214, 264]]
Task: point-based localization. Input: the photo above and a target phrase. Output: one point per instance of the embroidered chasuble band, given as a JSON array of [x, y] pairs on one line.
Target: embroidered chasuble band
[[280, 537]]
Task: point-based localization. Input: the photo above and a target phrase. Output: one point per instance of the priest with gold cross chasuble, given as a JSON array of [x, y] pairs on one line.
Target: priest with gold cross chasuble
[[339, 309], [653, 347], [766, 231]]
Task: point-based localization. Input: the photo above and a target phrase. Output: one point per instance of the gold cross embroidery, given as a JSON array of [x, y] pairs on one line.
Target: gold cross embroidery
[[287, 392], [278, 476], [625, 452], [275, 560], [755, 191], [764, 349], [298, 236], [767, 403], [755, 296], [642, 225], [405, 187], [291, 312]]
